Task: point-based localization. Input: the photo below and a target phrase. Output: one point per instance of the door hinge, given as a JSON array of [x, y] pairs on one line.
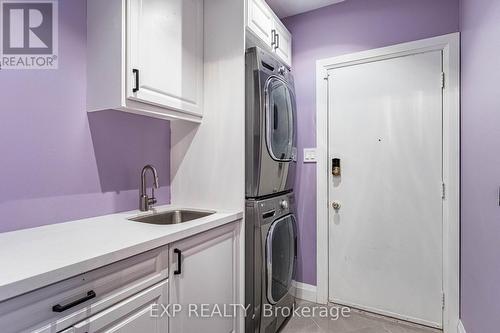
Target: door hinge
[[443, 300], [327, 76], [442, 80], [443, 190]]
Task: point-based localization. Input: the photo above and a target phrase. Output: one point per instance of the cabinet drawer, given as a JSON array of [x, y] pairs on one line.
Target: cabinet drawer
[[133, 315], [58, 306]]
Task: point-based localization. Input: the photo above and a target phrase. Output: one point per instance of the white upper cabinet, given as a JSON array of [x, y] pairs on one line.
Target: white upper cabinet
[[146, 57], [269, 30], [166, 48], [261, 20], [283, 43]]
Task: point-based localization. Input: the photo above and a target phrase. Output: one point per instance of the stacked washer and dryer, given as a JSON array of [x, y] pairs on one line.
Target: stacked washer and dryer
[[271, 157]]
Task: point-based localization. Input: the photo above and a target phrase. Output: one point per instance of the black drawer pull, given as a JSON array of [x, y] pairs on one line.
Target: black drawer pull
[[60, 308], [179, 262], [137, 86]]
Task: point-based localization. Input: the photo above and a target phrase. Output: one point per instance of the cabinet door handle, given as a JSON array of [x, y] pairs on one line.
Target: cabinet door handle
[[273, 36], [60, 308], [277, 46], [136, 76], [179, 262]]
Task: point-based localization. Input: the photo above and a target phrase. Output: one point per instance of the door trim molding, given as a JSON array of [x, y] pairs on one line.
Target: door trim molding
[[450, 46]]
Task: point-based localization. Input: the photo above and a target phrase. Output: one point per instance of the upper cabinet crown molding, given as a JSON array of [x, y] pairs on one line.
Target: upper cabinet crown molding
[[263, 23], [146, 57]]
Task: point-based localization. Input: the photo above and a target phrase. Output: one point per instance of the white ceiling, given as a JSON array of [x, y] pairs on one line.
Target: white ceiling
[[285, 8]]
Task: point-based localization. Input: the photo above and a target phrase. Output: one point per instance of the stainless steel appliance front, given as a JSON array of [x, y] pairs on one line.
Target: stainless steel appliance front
[[271, 152], [270, 261]]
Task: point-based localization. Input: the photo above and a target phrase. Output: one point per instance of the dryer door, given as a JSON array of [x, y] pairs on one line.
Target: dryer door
[[279, 120], [280, 257]]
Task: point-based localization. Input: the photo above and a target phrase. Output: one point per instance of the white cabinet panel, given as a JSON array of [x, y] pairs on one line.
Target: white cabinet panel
[[260, 20], [206, 274], [283, 43], [146, 57], [130, 316], [36, 311], [166, 48], [269, 30]]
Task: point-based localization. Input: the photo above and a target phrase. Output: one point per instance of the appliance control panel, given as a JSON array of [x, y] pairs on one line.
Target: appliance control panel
[[273, 208]]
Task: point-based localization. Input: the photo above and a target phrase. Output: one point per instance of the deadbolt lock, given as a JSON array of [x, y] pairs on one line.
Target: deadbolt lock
[[336, 205]]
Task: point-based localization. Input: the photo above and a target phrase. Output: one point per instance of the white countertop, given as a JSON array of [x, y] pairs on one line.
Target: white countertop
[[34, 258]]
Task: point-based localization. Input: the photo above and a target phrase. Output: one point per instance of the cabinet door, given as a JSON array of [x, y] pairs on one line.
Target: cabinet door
[[260, 20], [165, 53], [133, 315], [205, 271], [283, 43]]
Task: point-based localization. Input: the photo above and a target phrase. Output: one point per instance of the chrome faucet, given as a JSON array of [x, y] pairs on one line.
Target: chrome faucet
[[146, 202]]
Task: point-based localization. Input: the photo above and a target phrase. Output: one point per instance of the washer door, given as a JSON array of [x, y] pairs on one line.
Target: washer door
[[279, 120], [280, 257]]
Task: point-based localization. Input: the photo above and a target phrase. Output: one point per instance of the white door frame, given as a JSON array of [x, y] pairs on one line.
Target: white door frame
[[450, 46]]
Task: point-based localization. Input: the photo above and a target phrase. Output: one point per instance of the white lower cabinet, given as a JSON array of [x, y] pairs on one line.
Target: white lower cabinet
[[61, 305], [200, 273], [137, 314], [204, 279], [203, 285]]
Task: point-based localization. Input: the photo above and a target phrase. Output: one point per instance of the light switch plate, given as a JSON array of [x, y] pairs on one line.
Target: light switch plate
[[309, 155]]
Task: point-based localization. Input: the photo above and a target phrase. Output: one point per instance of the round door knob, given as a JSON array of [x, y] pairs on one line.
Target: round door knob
[[336, 205], [284, 204]]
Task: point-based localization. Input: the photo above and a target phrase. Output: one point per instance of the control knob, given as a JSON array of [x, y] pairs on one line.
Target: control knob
[[284, 204]]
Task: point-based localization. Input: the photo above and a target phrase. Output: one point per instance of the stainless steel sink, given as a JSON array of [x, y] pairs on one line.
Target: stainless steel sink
[[172, 217]]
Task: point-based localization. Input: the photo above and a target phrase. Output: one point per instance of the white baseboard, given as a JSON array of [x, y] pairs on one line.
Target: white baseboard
[[304, 291], [461, 328]]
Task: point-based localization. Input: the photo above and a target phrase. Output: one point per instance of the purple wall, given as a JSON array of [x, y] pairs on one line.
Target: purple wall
[[352, 26], [59, 163], [480, 278]]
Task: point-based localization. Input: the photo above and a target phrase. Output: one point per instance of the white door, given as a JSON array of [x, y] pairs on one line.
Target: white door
[[283, 43], [132, 315], [203, 270], [165, 47], [260, 20], [385, 240]]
